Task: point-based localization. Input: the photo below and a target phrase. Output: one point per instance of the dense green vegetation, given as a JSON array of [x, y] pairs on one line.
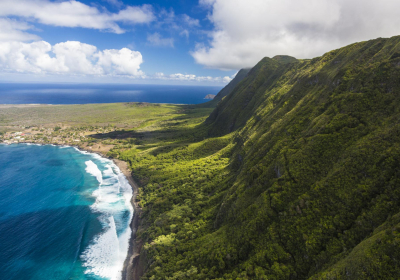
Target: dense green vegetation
[[227, 89], [295, 175]]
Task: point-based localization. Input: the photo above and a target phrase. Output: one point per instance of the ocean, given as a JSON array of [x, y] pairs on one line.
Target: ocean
[[102, 93], [64, 214]]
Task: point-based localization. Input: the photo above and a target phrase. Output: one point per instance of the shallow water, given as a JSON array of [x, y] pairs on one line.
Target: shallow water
[[64, 214]]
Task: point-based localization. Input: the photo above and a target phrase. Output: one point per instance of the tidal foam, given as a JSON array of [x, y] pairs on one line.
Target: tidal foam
[[105, 256]]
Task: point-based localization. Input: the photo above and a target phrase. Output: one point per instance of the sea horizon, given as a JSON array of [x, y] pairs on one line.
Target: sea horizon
[[91, 93]]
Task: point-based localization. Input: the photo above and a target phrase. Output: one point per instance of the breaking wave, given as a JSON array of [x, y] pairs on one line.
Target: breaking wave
[[105, 255]]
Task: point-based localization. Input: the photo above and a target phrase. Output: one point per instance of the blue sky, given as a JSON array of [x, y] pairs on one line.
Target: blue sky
[[175, 42]]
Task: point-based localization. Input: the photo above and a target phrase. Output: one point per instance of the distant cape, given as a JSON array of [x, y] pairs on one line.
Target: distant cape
[[210, 96]]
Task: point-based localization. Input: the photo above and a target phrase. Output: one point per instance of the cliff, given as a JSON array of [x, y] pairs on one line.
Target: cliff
[[294, 175]]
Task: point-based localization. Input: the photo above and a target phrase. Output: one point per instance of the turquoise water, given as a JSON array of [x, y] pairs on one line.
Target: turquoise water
[[64, 214]]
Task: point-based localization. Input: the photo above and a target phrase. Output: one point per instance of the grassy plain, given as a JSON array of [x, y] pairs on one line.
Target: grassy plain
[[98, 127], [123, 115]]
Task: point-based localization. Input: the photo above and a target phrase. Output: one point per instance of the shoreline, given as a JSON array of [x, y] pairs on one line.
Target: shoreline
[[130, 271]]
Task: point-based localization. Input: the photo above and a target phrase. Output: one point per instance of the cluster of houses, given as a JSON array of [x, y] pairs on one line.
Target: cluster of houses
[[14, 137], [43, 135]]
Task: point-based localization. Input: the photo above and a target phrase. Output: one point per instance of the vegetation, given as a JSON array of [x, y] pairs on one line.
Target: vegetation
[[297, 177], [122, 115], [294, 175], [227, 89]]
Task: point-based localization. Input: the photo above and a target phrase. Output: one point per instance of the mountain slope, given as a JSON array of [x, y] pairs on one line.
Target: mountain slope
[[232, 84], [294, 175], [226, 90], [318, 156]]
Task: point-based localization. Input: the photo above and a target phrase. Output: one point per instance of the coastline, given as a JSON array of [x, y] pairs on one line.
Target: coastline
[[130, 270]]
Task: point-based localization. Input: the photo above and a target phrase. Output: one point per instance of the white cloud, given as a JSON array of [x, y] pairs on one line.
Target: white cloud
[[157, 40], [190, 21], [12, 30], [227, 79], [120, 62], [133, 15], [182, 77], [69, 57], [191, 77], [246, 31], [75, 14]]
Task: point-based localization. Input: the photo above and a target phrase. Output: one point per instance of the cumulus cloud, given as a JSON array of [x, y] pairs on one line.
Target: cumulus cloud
[[75, 14], [120, 62], [191, 77], [157, 40], [12, 30], [246, 31], [69, 57]]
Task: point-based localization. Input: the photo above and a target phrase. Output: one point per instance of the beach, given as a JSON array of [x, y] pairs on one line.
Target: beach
[[131, 270]]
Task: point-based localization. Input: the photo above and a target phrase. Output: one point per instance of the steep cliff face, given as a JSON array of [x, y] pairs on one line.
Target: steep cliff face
[[318, 163], [298, 178], [355, 68], [238, 106], [227, 89]]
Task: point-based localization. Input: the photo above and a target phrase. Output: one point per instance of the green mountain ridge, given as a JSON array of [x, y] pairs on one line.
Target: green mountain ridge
[[313, 131], [294, 175], [227, 89]]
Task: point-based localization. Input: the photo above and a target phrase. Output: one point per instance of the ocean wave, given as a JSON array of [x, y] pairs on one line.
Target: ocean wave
[[102, 257], [93, 155], [92, 169], [105, 255]]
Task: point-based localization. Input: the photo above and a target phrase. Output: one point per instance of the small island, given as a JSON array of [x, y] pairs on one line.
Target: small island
[[210, 96]]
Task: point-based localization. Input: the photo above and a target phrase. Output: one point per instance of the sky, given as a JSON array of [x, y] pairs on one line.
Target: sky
[[202, 42]]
